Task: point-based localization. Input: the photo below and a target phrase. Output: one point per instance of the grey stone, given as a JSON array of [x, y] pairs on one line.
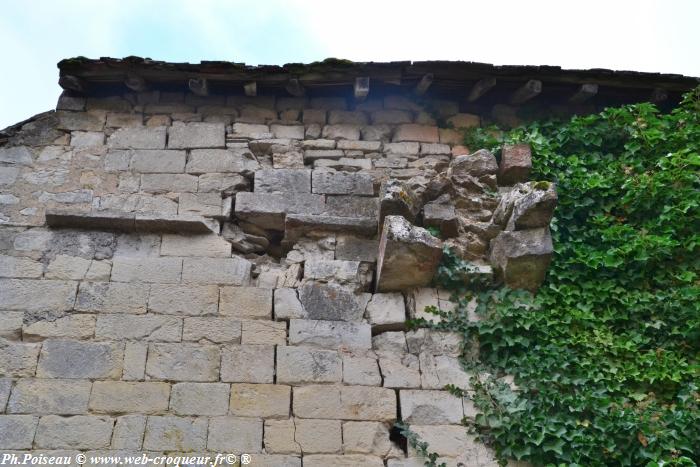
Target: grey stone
[[248, 363], [226, 184], [207, 161], [481, 163], [133, 269], [351, 248], [408, 256], [77, 432], [386, 312], [443, 217], [437, 371], [287, 131], [35, 295], [87, 121], [391, 342], [230, 271], [169, 433], [400, 371], [342, 272], [341, 183], [322, 144], [138, 138], [301, 365], [183, 362], [269, 210], [16, 266], [361, 370], [521, 258], [330, 334], [332, 302], [298, 225], [329, 103], [134, 361], [55, 396], [364, 146], [189, 300], [287, 305], [138, 327], [281, 181], [376, 133], [430, 407], [311, 155], [125, 397], [434, 342], [11, 328], [212, 329], [534, 208], [80, 360], [234, 434], [18, 358], [397, 198], [17, 431], [112, 297], [168, 183], [158, 161], [342, 131], [8, 175], [200, 399], [86, 139], [344, 402], [196, 135], [128, 432]]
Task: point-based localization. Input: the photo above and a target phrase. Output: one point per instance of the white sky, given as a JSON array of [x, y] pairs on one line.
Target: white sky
[[642, 35]]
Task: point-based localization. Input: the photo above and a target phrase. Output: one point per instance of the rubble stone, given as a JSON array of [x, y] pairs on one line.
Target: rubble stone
[[516, 163], [521, 258]]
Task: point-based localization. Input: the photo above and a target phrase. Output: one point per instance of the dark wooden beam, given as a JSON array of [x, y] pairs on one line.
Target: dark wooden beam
[[423, 84], [480, 88], [135, 82], [526, 92], [658, 95], [199, 86], [583, 93], [295, 88], [361, 88], [72, 83], [251, 89]]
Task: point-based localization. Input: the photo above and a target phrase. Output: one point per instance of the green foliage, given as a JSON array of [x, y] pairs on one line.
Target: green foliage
[[606, 357], [420, 446]]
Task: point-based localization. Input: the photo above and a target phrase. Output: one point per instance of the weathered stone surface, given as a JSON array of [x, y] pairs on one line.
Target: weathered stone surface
[[211, 329], [350, 248], [205, 204], [360, 370], [430, 407], [183, 362], [434, 342], [251, 131], [279, 437], [234, 434], [11, 326], [311, 155], [302, 365], [364, 146], [128, 432], [67, 268], [24, 268], [166, 183], [74, 359], [87, 121], [8, 175], [112, 297], [258, 331], [287, 131], [287, 305], [134, 361], [125, 397], [330, 334], [366, 438], [246, 302], [196, 135], [341, 131], [527, 206], [348, 460], [318, 436], [516, 163], [521, 258], [138, 138], [399, 371], [269, 210], [169, 433], [441, 370], [396, 198], [17, 431], [332, 302], [414, 132], [342, 183], [341, 272], [344, 402], [163, 270], [298, 225], [481, 163], [73, 326], [208, 161], [138, 327], [229, 271], [187, 300], [34, 295], [408, 256], [248, 363], [18, 359], [200, 399], [420, 298], [442, 216], [54, 396], [261, 400], [78, 432], [386, 312], [392, 342], [280, 181], [156, 161]]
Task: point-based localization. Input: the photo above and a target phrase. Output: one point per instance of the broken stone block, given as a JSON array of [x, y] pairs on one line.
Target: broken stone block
[[399, 371], [434, 342], [282, 181], [351, 248], [342, 183], [269, 210], [366, 438], [298, 225], [243, 242], [516, 163], [430, 407], [408, 256], [287, 305], [521, 258], [534, 208], [330, 334], [476, 165], [333, 302], [304, 365], [342, 131], [396, 198], [350, 273], [352, 206], [386, 312], [211, 161], [442, 216], [318, 436], [361, 370]]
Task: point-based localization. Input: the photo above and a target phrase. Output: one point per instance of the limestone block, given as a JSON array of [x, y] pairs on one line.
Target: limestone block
[[401, 149], [183, 362], [246, 302], [222, 183], [11, 324], [391, 342], [298, 225], [195, 245], [248, 363], [344, 163], [521, 258], [77, 432], [251, 131], [318, 436], [229, 271], [19, 155], [303, 365], [441, 370], [341, 131], [169, 433], [454, 441], [214, 330], [350, 248], [187, 300], [112, 297], [311, 155], [533, 207], [204, 204], [319, 144], [87, 121], [344, 402], [366, 438], [72, 326], [330, 334], [443, 217], [207, 161], [75, 359], [279, 437], [434, 342], [49, 396], [379, 132], [397, 198], [163, 270], [400, 371], [261, 400], [414, 132], [199, 399], [332, 302], [67, 268], [478, 164], [196, 135], [128, 432], [408, 256], [386, 312], [166, 183], [288, 160], [516, 163], [138, 138], [364, 146], [15, 266], [430, 407], [341, 183], [351, 460], [339, 271], [360, 370], [33, 295], [287, 131], [435, 148], [287, 305], [125, 397], [134, 361], [158, 161], [280, 181], [254, 114], [99, 270], [269, 210], [258, 331], [138, 327], [17, 431], [234, 434]]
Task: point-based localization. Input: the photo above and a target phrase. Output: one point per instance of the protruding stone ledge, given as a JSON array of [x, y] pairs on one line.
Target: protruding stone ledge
[[130, 222]]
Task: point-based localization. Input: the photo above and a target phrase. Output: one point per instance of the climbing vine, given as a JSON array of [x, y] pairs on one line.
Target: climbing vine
[[606, 356]]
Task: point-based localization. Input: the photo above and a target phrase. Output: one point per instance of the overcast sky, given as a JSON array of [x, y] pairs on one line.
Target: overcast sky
[[642, 35]]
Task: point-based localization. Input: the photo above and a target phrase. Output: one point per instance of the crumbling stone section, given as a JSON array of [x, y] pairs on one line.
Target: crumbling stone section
[[195, 274]]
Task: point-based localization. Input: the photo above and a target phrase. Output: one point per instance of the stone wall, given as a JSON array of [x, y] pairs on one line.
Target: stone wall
[[186, 274]]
